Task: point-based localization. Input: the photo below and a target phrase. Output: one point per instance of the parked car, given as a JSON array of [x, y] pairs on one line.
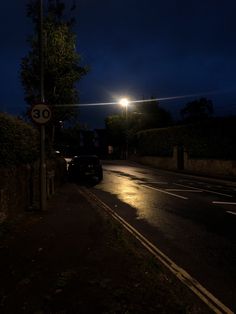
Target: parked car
[[85, 167]]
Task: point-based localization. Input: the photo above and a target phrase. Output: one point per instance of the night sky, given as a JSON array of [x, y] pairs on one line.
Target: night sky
[[136, 49]]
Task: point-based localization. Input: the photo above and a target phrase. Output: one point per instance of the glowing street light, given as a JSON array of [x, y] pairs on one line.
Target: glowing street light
[[124, 102]]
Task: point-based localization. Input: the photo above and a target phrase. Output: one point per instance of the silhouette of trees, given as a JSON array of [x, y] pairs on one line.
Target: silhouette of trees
[[197, 110]]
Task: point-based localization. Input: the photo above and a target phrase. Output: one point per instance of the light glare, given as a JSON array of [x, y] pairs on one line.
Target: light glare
[[124, 102]]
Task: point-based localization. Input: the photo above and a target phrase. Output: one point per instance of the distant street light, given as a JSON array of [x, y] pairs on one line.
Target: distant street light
[[124, 102]]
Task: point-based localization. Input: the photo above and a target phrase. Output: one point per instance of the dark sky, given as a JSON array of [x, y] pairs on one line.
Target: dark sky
[[136, 49]]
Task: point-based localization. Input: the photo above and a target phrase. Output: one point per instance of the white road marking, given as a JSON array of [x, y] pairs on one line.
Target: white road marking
[[206, 296], [205, 190], [157, 182], [179, 190], [224, 203], [163, 191], [229, 212]]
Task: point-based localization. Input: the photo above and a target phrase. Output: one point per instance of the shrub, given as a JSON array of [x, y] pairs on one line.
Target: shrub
[[18, 141]]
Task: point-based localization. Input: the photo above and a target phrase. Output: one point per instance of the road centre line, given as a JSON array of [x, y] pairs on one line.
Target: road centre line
[[209, 299], [224, 203], [205, 190], [157, 182], [181, 190], [229, 212], [164, 191]]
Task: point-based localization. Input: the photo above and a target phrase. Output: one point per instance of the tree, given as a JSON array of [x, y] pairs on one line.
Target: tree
[[151, 115], [116, 127], [62, 68], [197, 110]]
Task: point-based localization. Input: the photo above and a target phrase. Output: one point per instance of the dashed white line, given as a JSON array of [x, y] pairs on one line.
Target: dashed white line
[[205, 190], [157, 182], [164, 191], [181, 190], [232, 213], [224, 203]]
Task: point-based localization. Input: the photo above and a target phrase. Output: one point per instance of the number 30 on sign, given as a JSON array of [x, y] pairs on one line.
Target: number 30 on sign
[[41, 113]]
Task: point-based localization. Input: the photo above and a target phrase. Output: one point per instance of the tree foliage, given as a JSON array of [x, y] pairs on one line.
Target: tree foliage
[[116, 128], [151, 115], [18, 141], [62, 69], [197, 110]]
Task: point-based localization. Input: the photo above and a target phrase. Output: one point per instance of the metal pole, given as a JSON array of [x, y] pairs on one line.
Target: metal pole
[[41, 51], [42, 127], [126, 120]]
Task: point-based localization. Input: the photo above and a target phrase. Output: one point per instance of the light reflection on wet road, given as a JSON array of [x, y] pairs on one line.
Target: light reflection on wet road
[[155, 209], [132, 193]]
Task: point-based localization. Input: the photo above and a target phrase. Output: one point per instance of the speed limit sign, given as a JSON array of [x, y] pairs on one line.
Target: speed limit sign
[[41, 113]]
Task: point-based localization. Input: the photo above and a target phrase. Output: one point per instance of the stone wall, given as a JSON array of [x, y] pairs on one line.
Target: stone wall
[[210, 167], [157, 162]]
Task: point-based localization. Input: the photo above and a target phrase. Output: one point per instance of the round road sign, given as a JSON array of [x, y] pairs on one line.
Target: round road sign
[[41, 113]]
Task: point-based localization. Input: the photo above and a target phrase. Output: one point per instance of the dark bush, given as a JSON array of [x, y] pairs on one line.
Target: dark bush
[[18, 141]]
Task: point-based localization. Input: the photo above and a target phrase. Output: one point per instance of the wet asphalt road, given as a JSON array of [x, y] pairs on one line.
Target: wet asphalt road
[[190, 219]]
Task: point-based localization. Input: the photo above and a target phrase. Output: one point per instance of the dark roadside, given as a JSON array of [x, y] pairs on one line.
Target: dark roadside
[[73, 258]]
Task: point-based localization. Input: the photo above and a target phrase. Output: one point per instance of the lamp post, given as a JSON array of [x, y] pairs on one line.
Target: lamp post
[[42, 127], [124, 102]]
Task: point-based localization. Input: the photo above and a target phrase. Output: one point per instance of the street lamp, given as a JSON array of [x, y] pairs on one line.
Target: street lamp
[[124, 102], [42, 98]]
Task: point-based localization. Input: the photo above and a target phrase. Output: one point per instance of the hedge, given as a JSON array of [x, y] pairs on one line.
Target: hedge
[[18, 141], [214, 138]]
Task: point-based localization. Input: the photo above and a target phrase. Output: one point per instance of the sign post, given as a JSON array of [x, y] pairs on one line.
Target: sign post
[[42, 169], [41, 114], [42, 127]]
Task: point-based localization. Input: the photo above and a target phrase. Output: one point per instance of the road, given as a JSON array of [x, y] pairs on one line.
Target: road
[[190, 219]]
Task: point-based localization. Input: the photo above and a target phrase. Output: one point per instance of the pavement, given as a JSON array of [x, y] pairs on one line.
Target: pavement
[[73, 258]]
